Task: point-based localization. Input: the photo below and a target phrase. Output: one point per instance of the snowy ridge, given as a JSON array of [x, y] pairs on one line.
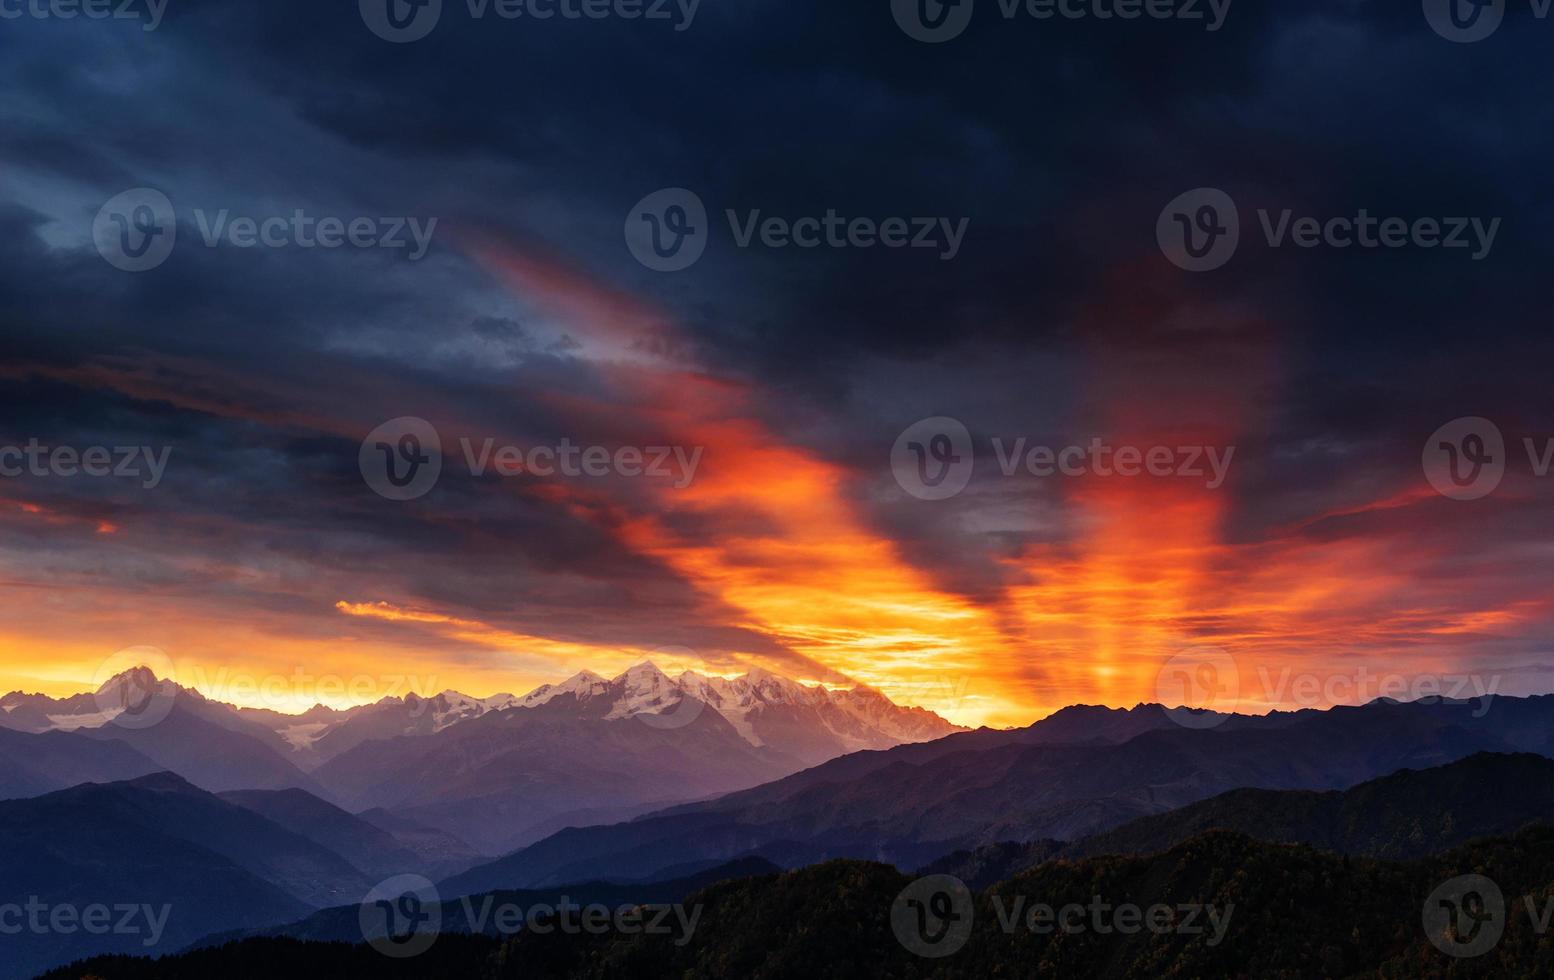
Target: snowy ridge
[[767, 710]]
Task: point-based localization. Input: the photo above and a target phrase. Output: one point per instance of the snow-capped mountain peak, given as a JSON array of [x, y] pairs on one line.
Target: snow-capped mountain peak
[[584, 684], [806, 723], [141, 678], [644, 689]]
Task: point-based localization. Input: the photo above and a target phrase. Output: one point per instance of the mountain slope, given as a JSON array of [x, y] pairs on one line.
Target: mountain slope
[[1403, 815], [307, 871], [323, 733], [210, 755], [808, 724], [376, 852], [589, 750], [472, 914], [437, 847], [121, 844], [913, 803], [207, 742], [34, 764], [491, 780], [1411, 813], [1278, 911]]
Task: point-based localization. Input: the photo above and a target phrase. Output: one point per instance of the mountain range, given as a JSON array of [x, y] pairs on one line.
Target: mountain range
[[190, 862], [913, 803], [1408, 814], [1283, 911], [490, 774], [631, 782], [1244, 908]]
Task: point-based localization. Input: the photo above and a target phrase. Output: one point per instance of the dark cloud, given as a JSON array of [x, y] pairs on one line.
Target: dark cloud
[[1057, 141]]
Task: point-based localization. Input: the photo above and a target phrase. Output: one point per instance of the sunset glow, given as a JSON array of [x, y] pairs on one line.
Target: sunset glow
[[773, 552]]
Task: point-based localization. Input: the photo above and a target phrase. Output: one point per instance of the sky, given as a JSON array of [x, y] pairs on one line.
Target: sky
[[787, 527]]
